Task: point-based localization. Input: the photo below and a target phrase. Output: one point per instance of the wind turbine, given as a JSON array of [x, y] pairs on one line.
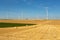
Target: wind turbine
[[7, 14], [22, 14], [46, 8]]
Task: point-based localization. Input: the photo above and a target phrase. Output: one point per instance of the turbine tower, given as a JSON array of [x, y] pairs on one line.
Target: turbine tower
[[22, 14], [47, 13]]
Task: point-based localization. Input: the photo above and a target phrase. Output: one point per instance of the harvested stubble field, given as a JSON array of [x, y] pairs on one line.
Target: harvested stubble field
[[44, 30]]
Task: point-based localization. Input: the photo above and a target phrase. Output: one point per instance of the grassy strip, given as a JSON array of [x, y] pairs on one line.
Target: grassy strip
[[4, 25]]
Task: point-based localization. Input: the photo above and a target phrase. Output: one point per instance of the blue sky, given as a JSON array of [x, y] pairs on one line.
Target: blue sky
[[32, 9]]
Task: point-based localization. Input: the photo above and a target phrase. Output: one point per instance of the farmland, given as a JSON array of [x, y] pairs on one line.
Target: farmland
[[43, 30], [4, 25]]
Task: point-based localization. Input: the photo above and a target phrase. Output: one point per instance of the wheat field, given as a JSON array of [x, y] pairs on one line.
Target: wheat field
[[43, 30]]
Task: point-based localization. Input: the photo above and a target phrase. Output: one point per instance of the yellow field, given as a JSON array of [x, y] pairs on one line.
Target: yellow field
[[44, 30]]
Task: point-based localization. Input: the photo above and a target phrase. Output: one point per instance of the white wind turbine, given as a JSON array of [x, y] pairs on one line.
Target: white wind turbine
[[46, 8]]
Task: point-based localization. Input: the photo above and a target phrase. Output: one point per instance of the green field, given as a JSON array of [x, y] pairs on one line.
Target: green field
[[5, 25]]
